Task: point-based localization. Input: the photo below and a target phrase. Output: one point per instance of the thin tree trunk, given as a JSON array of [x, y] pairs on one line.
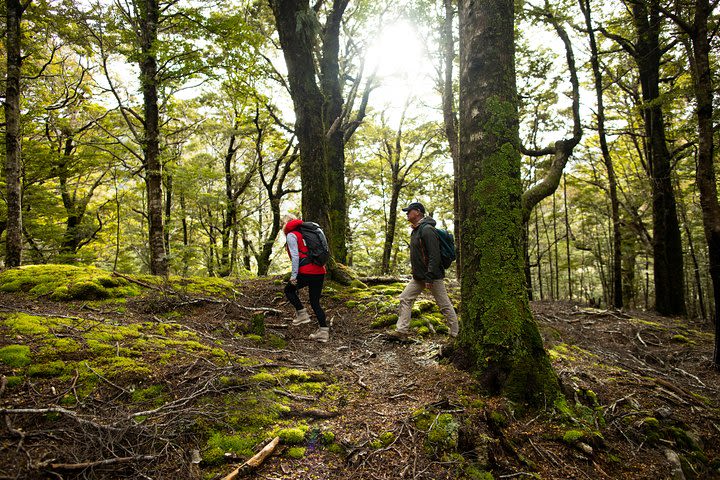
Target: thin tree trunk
[[335, 137], [538, 254], [168, 211], [607, 159], [450, 119], [149, 15], [13, 159], [567, 239]]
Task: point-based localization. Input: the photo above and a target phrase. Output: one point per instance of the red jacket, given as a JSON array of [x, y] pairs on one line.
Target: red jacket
[[292, 228]]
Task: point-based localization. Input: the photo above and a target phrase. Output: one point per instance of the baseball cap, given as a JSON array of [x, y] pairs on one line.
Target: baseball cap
[[415, 206]]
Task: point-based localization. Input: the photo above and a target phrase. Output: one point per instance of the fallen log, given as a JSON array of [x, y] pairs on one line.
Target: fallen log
[[255, 461]]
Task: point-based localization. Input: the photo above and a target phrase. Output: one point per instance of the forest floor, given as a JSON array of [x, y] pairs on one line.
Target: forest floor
[[179, 384]]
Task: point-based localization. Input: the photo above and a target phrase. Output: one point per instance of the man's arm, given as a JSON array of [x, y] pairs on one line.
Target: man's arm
[[431, 241]]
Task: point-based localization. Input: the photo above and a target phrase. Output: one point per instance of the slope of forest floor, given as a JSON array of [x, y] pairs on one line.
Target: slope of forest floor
[[190, 378]]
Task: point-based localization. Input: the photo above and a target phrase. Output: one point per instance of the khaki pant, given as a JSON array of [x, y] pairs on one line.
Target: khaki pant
[[412, 291]]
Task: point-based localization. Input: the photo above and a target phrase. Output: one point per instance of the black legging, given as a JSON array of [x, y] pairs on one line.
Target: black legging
[[315, 285]]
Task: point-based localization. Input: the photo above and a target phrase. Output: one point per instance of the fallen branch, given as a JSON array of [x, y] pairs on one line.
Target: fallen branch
[[64, 411], [293, 396], [98, 463], [255, 461], [138, 282]]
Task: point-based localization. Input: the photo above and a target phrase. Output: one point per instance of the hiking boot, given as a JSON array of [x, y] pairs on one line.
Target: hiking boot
[[322, 335], [301, 317]]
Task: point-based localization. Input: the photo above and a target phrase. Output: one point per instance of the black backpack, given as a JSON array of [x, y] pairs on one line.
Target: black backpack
[[316, 244]]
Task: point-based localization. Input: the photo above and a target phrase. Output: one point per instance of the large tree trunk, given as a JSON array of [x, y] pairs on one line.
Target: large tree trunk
[[13, 236], [499, 336], [149, 15], [706, 181], [667, 243], [295, 23], [612, 181]]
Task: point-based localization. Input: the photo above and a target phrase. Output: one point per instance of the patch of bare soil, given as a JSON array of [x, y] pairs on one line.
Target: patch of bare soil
[[642, 395]]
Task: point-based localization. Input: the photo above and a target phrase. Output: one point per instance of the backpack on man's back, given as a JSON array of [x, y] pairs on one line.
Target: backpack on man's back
[[447, 247]]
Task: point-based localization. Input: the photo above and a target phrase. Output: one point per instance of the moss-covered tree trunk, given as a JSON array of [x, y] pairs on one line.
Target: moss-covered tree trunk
[[13, 237], [499, 337]]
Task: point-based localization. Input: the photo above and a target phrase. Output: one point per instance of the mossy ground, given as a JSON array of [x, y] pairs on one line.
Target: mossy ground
[[183, 378]]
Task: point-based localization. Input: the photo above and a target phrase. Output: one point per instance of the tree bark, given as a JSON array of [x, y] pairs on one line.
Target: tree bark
[[149, 16], [296, 24], [667, 243], [450, 119], [706, 181], [13, 159], [335, 136], [607, 159], [499, 337]]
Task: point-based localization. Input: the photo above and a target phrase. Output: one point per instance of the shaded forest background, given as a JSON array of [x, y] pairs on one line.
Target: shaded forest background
[[226, 162]]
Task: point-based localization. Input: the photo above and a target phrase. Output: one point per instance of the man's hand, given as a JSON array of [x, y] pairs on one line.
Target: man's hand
[[293, 281]]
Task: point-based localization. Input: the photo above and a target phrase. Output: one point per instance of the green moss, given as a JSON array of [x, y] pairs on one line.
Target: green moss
[[357, 284], [219, 444], [443, 433], [474, 473], [59, 347], [336, 448], [14, 381], [423, 330], [681, 339], [25, 324], [571, 437], [264, 377], [682, 439], [422, 306], [65, 282], [352, 303], [154, 394], [497, 419], [292, 436], [15, 355], [384, 321], [296, 452], [50, 369], [254, 338], [383, 440], [273, 341], [327, 437], [422, 419]]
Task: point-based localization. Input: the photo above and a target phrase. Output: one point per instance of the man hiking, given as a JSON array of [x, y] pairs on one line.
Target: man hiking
[[427, 270]]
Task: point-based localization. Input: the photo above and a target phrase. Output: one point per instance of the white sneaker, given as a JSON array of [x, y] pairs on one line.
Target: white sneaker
[[301, 317], [322, 335]]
